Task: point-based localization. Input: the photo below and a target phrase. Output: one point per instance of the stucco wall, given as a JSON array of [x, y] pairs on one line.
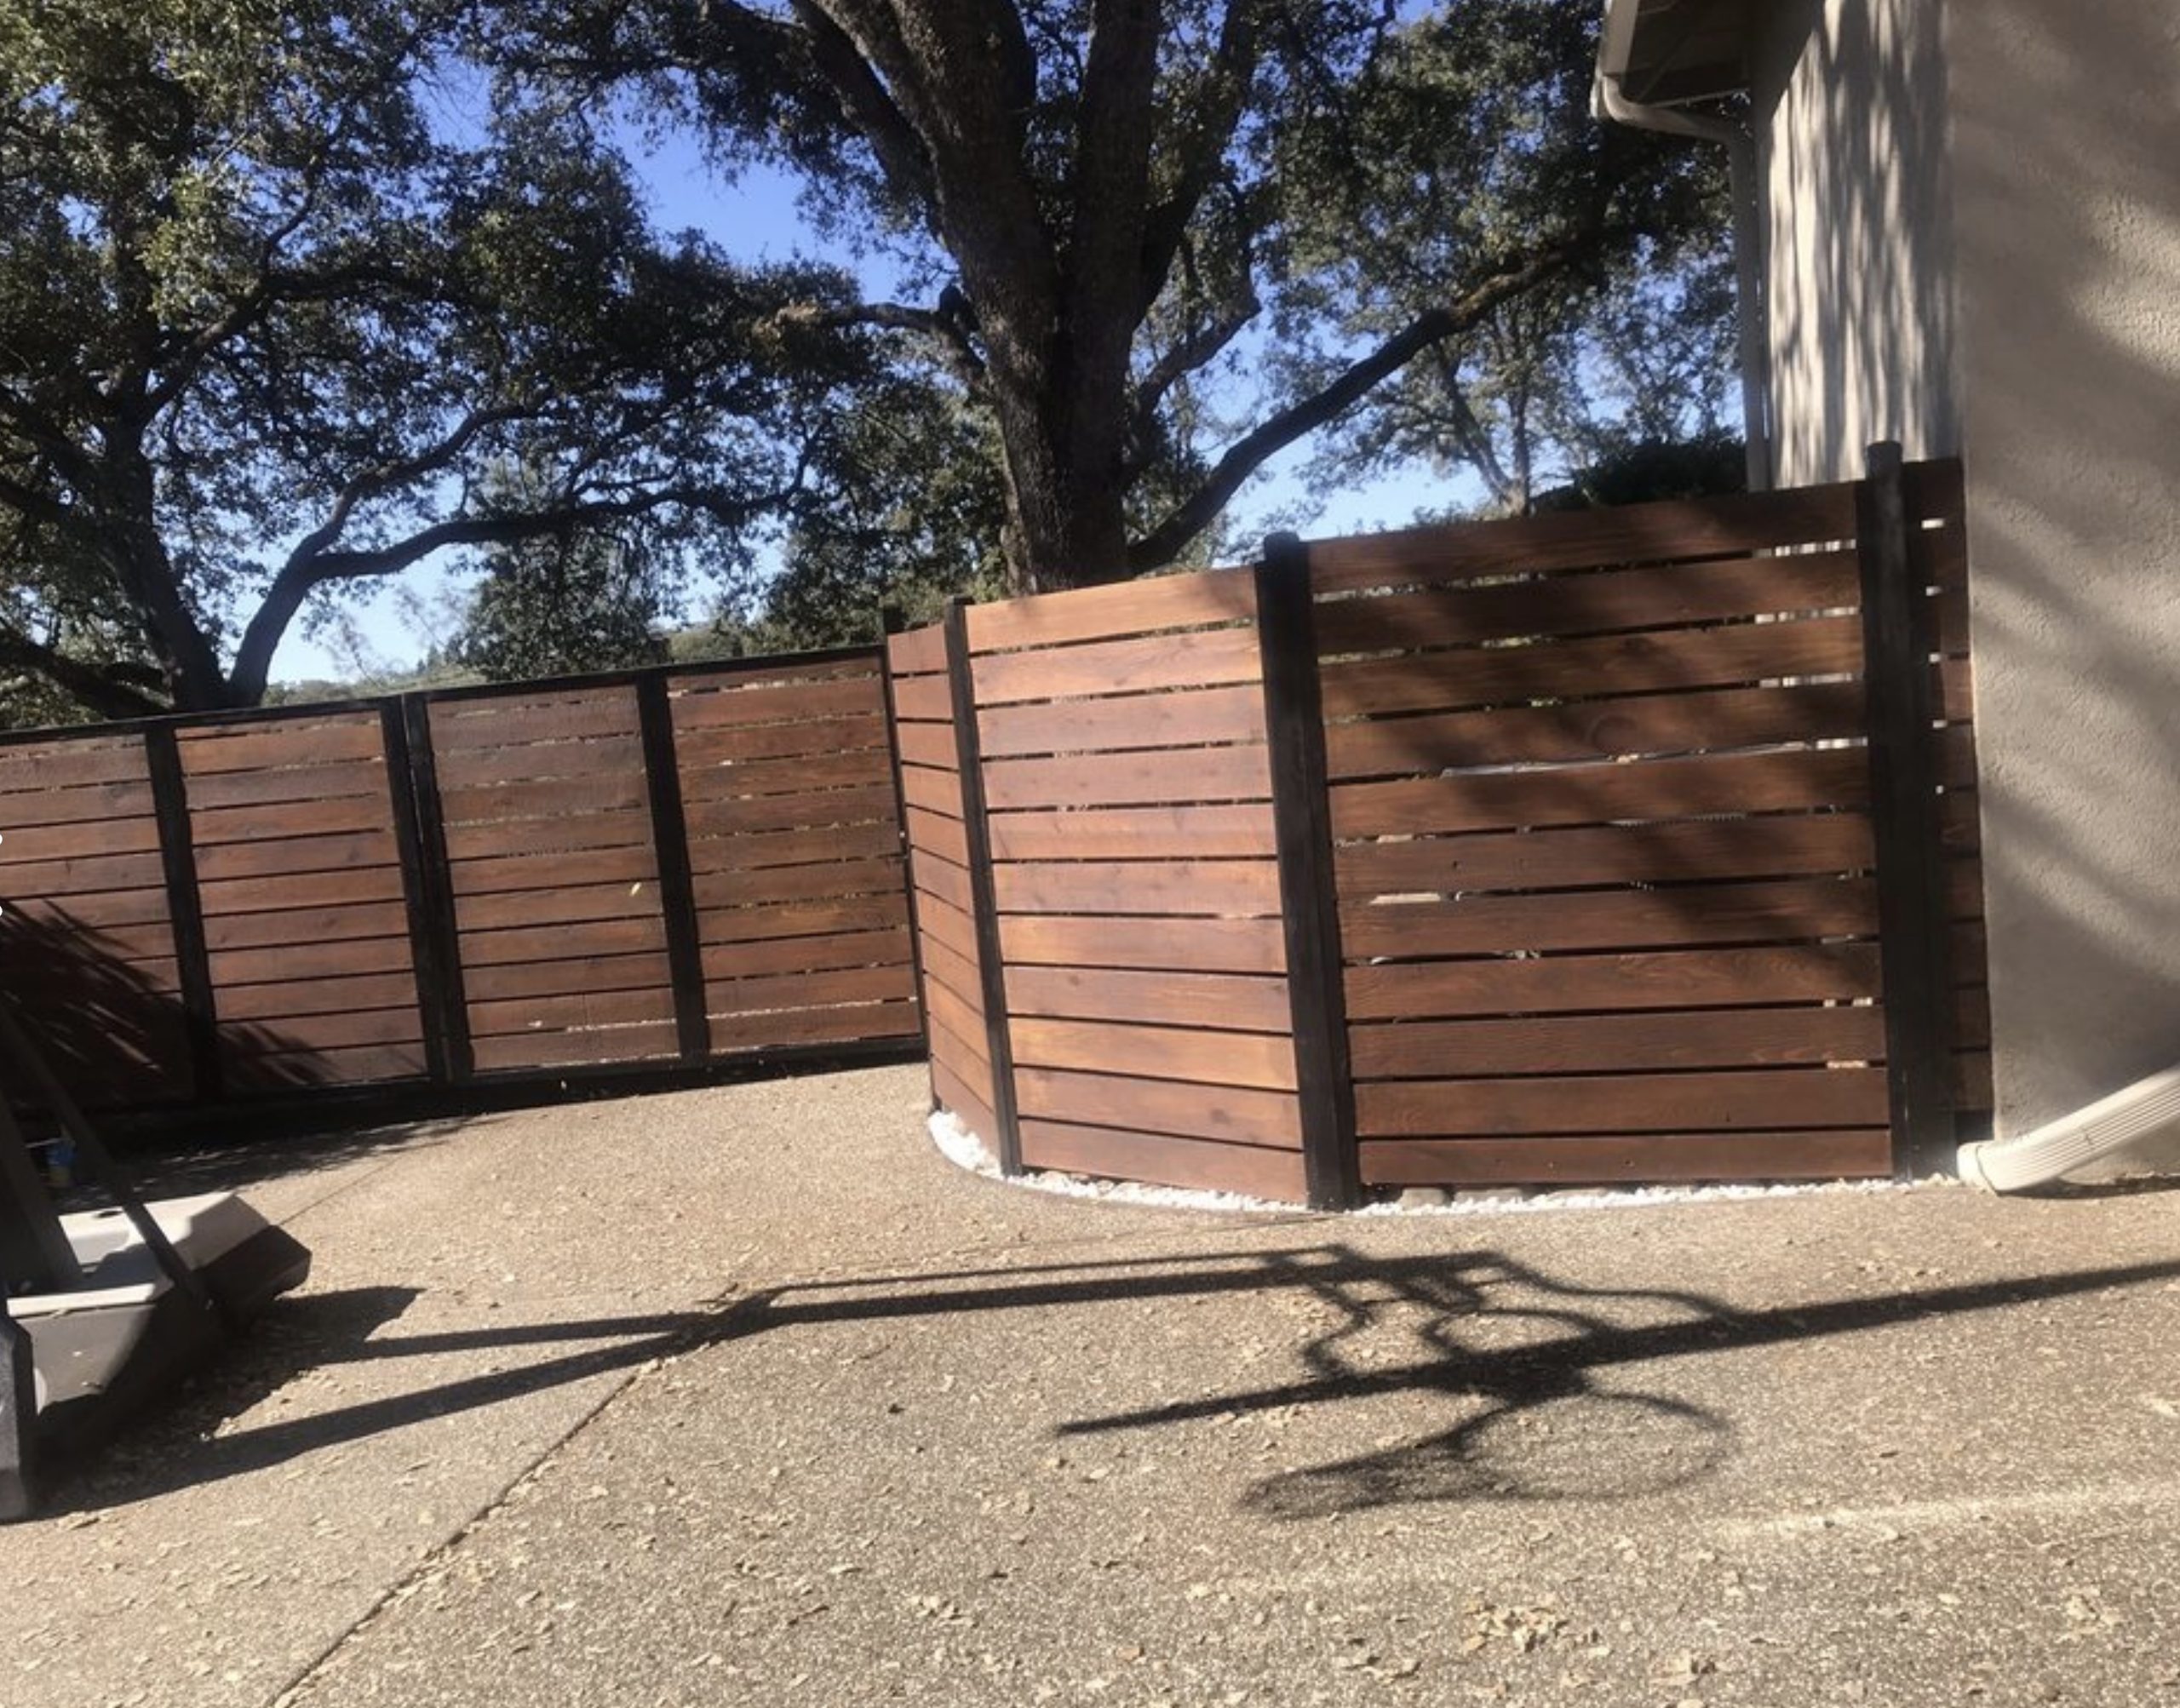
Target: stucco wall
[[2067, 181], [1849, 109]]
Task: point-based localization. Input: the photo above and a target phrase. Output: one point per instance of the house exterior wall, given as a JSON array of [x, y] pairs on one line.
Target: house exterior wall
[[1849, 107], [2066, 135], [1974, 245]]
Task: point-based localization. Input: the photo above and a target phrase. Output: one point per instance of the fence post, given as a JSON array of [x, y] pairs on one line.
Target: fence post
[[435, 936], [677, 890], [891, 623], [1913, 923], [1301, 808], [185, 909], [969, 749]]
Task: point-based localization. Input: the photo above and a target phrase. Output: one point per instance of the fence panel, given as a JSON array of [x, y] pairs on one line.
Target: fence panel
[[86, 941], [794, 834], [1135, 875], [299, 886], [1603, 847]]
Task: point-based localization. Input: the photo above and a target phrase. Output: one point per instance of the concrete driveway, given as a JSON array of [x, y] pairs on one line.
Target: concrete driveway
[[745, 1395]]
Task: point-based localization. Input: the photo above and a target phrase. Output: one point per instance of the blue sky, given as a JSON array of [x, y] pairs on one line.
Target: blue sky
[[754, 218]]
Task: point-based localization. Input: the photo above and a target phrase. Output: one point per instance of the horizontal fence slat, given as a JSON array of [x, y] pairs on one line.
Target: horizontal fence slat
[[807, 737], [766, 812], [1809, 972], [798, 883], [1202, 658], [1158, 1052], [1606, 1043], [1124, 609], [763, 850], [1185, 718], [1786, 911], [1182, 945], [894, 983], [380, 882], [1231, 1114], [1130, 779], [656, 1040], [1235, 1001], [805, 954], [1774, 1155], [1631, 1102], [303, 929], [276, 1003], [570, 1011], [543, 911], [1163, 1160], [731, 1032], [1135, 833], [780, 702], [801, 774], [1179, 888], [801, 919], [636, 970]]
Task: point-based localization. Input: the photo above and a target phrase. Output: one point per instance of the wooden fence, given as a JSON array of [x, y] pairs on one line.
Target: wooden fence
[[666, 869], [1628, 844]]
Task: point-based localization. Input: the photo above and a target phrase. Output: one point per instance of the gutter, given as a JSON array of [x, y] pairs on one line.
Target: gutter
[[2147, 1110], [1608, 104]]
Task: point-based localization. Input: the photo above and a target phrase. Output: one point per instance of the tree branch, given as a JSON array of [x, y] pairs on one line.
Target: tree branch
[[951, 325], [1233, 70], [85, 683], [1246, 455]]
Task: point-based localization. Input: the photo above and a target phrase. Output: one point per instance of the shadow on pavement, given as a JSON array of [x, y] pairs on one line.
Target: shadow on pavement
[[1526, 1353]]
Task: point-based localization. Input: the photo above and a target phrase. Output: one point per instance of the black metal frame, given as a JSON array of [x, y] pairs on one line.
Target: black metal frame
[[677, 895], [185, 908], [435, 934], [1913, 928], [1301, 811], [891, 623], [976, 826]]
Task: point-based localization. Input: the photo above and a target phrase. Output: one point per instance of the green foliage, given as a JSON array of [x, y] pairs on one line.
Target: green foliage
[[559, 606], [279, 284]]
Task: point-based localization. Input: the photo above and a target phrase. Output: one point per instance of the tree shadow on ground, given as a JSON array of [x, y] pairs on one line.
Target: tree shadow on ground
[[1530, 1358]]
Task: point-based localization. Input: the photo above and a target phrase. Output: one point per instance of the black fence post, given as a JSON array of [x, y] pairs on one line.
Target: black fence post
[[425, 957], [1301, 807], [185, 909], [976, 828], [891, 623], [1913, 922], [435, 938], [677, 892]]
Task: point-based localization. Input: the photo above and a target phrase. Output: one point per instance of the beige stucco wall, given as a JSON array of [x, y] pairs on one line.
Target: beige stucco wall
[[1849, 115], [1974, 234], [2066, 121]]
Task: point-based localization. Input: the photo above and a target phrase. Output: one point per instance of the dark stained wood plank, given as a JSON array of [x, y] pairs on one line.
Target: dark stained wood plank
[[1135, 833], [373, 883], [761, 850], [801, 919], [301, 818], [84, 873], [961, 1022], [563, 943], [551, 798], [1236, 1001], [660, 1039], [1589, 795], [1102, 613], [1212, 887], [945, 923], [1265, 1060], [61, 805], [1129, 779], [278, 856], [941, 835], [940, 877], [1617, 1043], [612, 756], [918, 651], [957, 1093], [33, 767], [1781, 846], [1185, 718], [758, 813], [284, 1032], [807, 737], [1812, 972], [1597, 729], [930, 745], [21, 846], [846, 985], [642, 970], [303, 929], [956, 971], [1787, 909], [216, 748], [95, 910], [1670, 595], [1759, 1099], [1787, 1155], [524, 838], [1230, 1115], [799, 883], [1180, 945], [263, 1071], [329, 960], [859, 695], [793, 1029], [1571, 669], [923, 699], [1163, 1160], [571, 1010], [272, 789], [802, 774], [274, 1003], [544, 912], [1202, 658], [516, 720], [512, 874], [1669, 530]]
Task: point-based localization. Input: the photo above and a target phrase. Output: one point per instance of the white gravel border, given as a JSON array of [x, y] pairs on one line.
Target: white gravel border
[[966, 1150]]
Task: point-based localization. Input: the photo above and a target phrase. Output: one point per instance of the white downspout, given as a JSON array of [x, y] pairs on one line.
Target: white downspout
[[1607, 102], [2144, 1110]]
